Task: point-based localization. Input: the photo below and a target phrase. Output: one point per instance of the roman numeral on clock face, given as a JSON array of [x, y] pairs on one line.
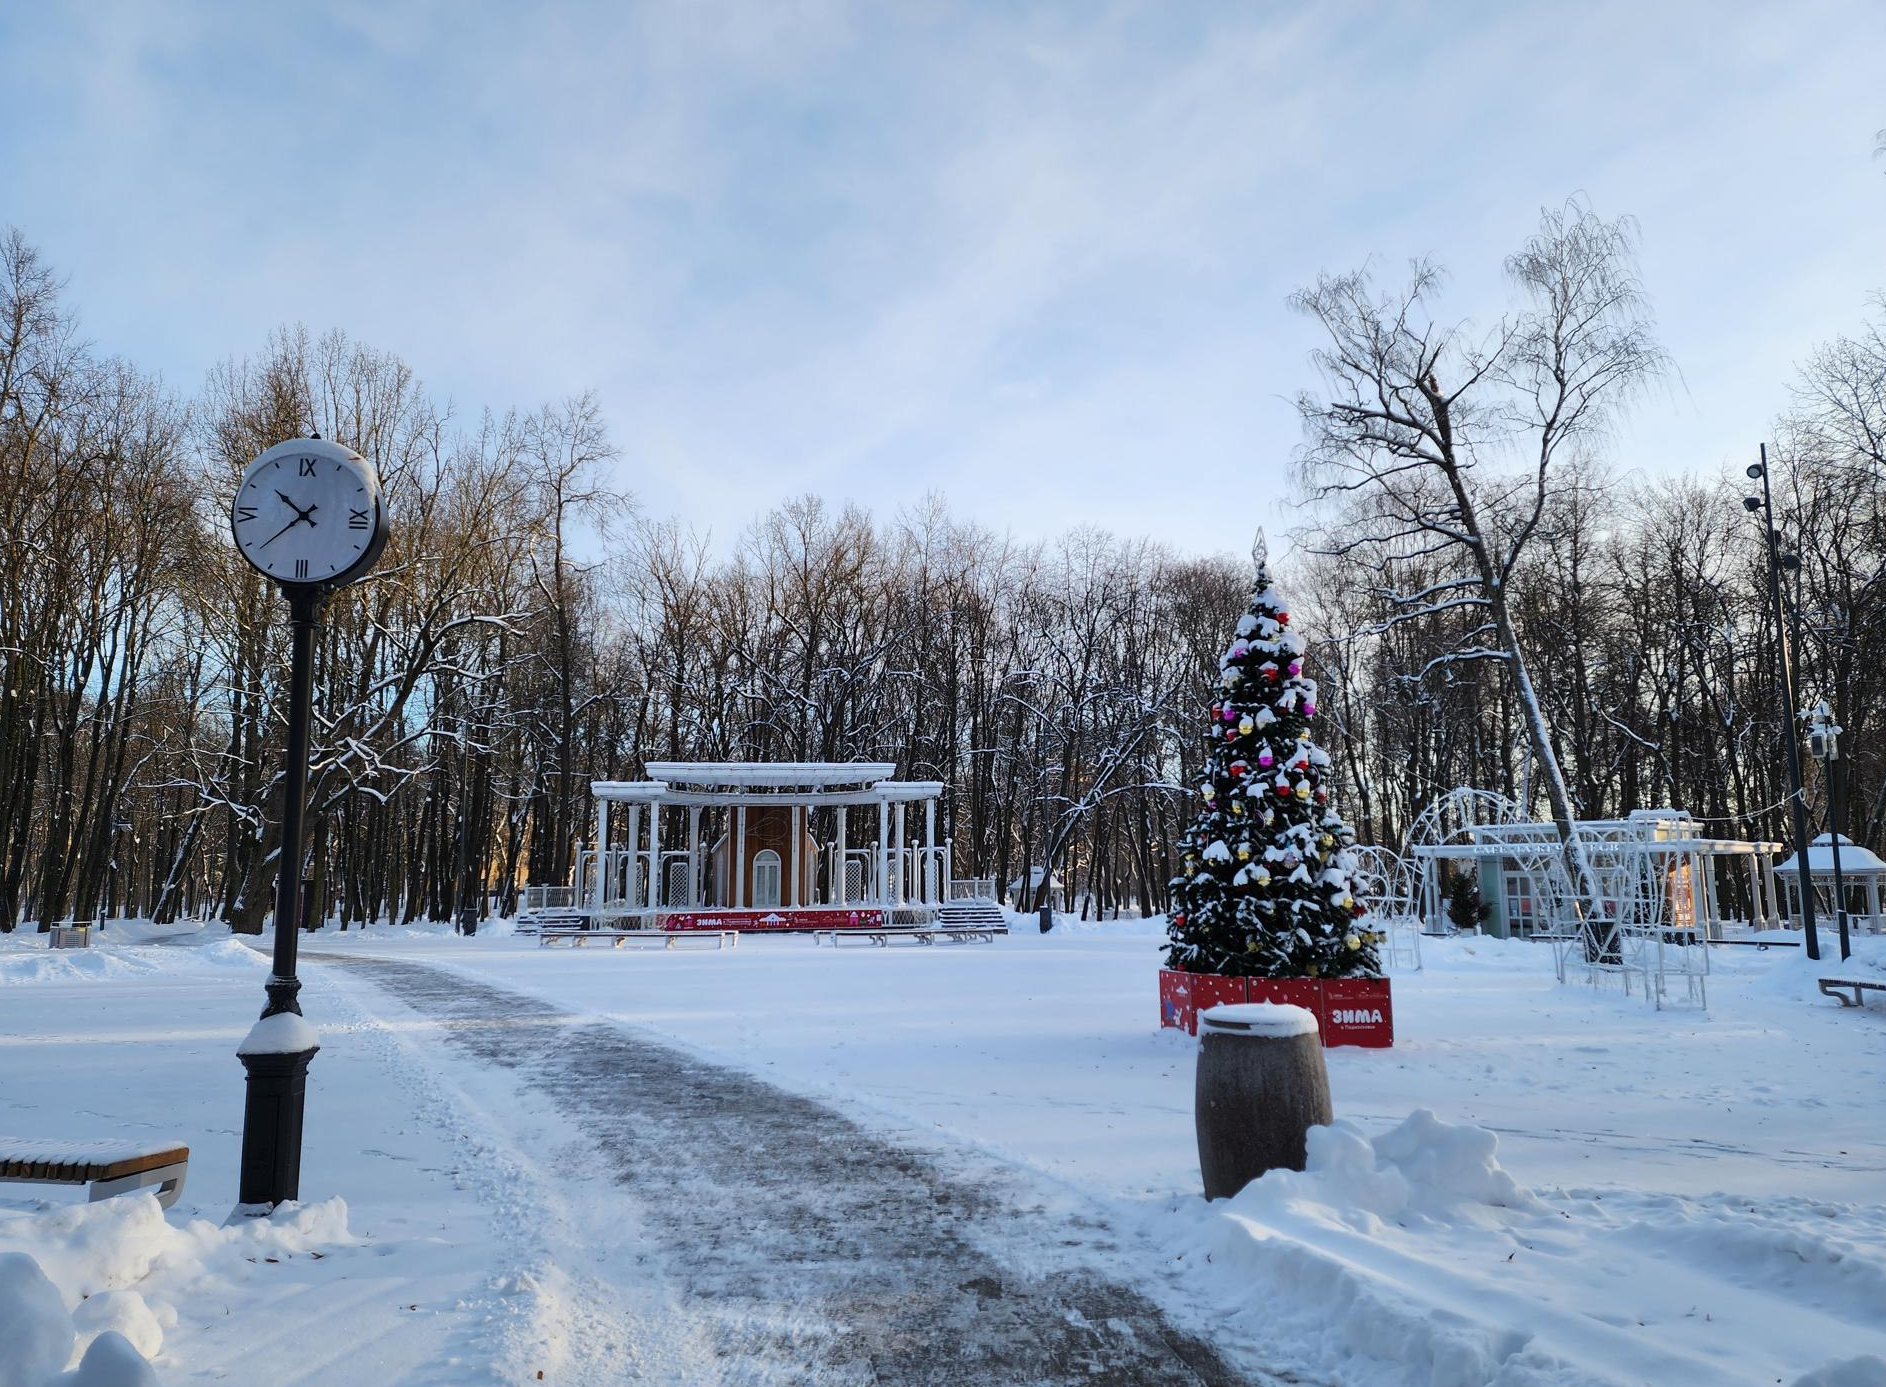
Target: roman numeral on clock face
[[307, 467], [356, 519], [245, 513], [301, 568]]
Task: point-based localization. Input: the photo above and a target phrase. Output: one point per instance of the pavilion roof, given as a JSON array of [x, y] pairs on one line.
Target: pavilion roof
[[770, 774]]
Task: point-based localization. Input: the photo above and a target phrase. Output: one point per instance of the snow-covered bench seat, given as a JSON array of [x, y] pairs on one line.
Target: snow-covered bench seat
[[1837, 988], [913, 934], [669, 938], [110, 1167]]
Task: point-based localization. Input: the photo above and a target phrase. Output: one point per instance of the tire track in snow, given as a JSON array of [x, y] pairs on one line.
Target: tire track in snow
[[810, 1249]]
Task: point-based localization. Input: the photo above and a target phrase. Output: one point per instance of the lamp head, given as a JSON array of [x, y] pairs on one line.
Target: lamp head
[[1791, 562], [1755, 469], [1751, 504]]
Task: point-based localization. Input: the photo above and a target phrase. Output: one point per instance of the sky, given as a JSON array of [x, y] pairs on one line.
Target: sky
[[1034, 257]]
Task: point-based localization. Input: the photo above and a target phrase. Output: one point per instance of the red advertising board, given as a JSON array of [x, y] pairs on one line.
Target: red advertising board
[[1292, 992], [772, 919], [1348, 1011], [1358, 1011], [1175, 1002], [1182, 996]]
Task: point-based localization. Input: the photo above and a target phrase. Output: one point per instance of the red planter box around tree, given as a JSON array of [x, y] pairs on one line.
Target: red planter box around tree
[[1348, 1011]]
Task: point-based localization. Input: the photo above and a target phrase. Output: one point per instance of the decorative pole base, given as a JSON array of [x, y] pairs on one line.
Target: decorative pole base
[[271, 1127]]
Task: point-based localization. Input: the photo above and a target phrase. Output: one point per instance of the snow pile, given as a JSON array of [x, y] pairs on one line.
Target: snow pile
[[1307, 1248], [89, 1257], [38, 1338], [20, 966], [1416, 1258], [126, 949]]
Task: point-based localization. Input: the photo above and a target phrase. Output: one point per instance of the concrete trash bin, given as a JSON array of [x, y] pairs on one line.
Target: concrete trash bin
[[1262, 1085]]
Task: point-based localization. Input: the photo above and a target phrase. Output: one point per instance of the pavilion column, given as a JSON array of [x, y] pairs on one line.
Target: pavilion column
[[794, 821], [739, 892], [841, 887], [597, 856], [884, 851], [929, 852], [1872, 902], [654, 856], [903, 858], [694, 857], [629, 893]]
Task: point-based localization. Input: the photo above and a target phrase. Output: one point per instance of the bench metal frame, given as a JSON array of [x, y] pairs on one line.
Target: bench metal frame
[[670, 939], [1832, 987], [915, 934]]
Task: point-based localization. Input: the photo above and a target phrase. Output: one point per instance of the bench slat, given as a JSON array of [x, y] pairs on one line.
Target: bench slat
[[80, 1162]]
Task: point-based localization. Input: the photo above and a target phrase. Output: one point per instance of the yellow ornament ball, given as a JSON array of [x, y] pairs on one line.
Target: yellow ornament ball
[[1246, 726], [1325, 840], [1244, 854], [1263, 877], [1236, 808], [1346, 902], [1303, 790], [1353, 942]]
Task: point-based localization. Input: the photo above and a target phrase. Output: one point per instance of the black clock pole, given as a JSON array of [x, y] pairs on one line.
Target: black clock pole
[[278, 1081]]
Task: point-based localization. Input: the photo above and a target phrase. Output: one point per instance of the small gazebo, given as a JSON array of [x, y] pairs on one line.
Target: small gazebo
[[764, 846], [1860, 871]]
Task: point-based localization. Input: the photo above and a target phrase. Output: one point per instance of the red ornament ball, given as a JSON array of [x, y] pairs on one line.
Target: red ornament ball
[[1283, 618]]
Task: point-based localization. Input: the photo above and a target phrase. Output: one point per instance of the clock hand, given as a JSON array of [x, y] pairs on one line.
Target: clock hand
[[289, 526], [300, 514], [278, 534]]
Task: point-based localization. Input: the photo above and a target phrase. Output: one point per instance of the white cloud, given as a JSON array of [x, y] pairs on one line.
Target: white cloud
[[1035, 257]]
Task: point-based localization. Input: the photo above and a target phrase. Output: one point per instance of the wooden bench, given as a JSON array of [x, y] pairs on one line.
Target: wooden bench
[[1832, 987], [717, 938], [914, 934], [110, 1167]]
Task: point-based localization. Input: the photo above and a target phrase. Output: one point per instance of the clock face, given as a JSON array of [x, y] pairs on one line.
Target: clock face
[[308, 511]]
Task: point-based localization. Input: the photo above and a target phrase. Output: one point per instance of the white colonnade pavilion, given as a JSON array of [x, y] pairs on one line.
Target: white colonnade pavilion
[[757, 845]]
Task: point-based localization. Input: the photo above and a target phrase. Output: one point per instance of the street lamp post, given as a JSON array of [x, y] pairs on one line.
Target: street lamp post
[[1823, 743], [1789, 701]]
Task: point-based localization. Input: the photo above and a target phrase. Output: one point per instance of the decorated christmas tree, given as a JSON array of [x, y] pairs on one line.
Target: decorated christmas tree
[[1267, 872]]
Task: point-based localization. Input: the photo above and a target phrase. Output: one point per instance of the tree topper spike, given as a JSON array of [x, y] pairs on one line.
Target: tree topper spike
[[1260, 550]]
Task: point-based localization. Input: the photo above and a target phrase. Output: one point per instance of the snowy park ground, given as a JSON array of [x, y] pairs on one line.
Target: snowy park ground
[[1603, 1193]]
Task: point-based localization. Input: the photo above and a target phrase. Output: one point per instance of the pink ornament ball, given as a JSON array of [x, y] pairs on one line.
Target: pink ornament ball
[[1264, 758], [1309, 710], [1231, 715], [1296, 667]]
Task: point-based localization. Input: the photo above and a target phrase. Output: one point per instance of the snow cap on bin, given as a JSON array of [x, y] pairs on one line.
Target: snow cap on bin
[[1270, 1019]]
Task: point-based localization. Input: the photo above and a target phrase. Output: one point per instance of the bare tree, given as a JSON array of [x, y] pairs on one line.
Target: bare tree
[[1463, 441]]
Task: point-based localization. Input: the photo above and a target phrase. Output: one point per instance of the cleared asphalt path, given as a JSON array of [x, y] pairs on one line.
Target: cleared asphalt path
[[807, 1243]]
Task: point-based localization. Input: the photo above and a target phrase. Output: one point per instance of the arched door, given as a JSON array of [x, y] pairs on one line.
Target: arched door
[[765, 879]]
